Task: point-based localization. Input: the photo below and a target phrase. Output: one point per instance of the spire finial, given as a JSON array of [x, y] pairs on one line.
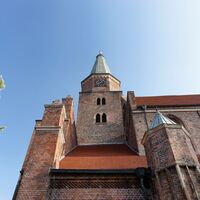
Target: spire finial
[[100, 53]]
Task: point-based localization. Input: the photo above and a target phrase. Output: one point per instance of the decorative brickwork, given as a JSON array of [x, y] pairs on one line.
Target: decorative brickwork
[[173, 161], [96, 187]]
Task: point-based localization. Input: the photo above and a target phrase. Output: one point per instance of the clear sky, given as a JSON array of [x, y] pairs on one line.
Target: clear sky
[[48, 46]]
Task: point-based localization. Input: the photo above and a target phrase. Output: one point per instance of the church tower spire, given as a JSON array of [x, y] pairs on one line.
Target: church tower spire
[[99, 118], [100, 78], [100, 65]]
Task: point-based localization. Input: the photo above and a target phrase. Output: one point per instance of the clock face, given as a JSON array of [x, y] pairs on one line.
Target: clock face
[[101, 82]]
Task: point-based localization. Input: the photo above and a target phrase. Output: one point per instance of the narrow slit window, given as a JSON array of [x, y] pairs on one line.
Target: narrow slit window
[[97, 118], [98, 101], [103, 101], [104, 118]]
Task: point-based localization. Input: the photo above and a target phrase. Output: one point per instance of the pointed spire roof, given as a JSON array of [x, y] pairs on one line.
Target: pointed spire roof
[[100, 65], [159, 118]]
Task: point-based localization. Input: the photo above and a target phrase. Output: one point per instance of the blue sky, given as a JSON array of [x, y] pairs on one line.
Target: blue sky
[[47, 47]]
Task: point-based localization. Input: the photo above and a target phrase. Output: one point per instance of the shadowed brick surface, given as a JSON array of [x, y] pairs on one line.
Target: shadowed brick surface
[[45, 150]]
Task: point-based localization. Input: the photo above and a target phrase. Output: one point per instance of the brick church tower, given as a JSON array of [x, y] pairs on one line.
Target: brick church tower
[[172, 158], [100, 101], [102, 156]]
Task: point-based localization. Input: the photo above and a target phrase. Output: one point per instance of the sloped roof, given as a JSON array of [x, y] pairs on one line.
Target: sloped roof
[[114, 156], [169, 100], [100, 65], [159, 118]]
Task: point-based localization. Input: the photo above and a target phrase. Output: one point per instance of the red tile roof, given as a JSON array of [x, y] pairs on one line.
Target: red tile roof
[[169, 100], [115, 156]]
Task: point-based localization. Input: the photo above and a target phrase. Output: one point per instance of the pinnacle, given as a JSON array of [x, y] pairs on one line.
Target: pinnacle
[[159, 118]]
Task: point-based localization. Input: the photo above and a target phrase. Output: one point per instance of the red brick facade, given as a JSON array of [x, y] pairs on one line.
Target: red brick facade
[[173, 161], [53, 136], [107, 156]]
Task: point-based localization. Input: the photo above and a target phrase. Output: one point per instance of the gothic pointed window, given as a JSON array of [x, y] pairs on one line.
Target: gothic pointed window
[[103, 101], [98, 101], [104, 118], [98, 118], [176, 120]]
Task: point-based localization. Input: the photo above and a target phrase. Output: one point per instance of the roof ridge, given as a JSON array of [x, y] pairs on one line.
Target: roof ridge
[[169, 95]]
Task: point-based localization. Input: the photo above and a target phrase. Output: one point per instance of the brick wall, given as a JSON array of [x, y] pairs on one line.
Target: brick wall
[[168, 144], [131, 135], [96, 186], [173, 161], [45, 150], [158, 149], [112, 84], [90, 132], [141, 120], [69, 128]]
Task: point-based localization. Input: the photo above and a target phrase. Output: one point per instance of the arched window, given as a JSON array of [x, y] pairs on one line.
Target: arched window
[[103, 101], [104, 118], [175, 119], [98, 101], [98, 118]]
